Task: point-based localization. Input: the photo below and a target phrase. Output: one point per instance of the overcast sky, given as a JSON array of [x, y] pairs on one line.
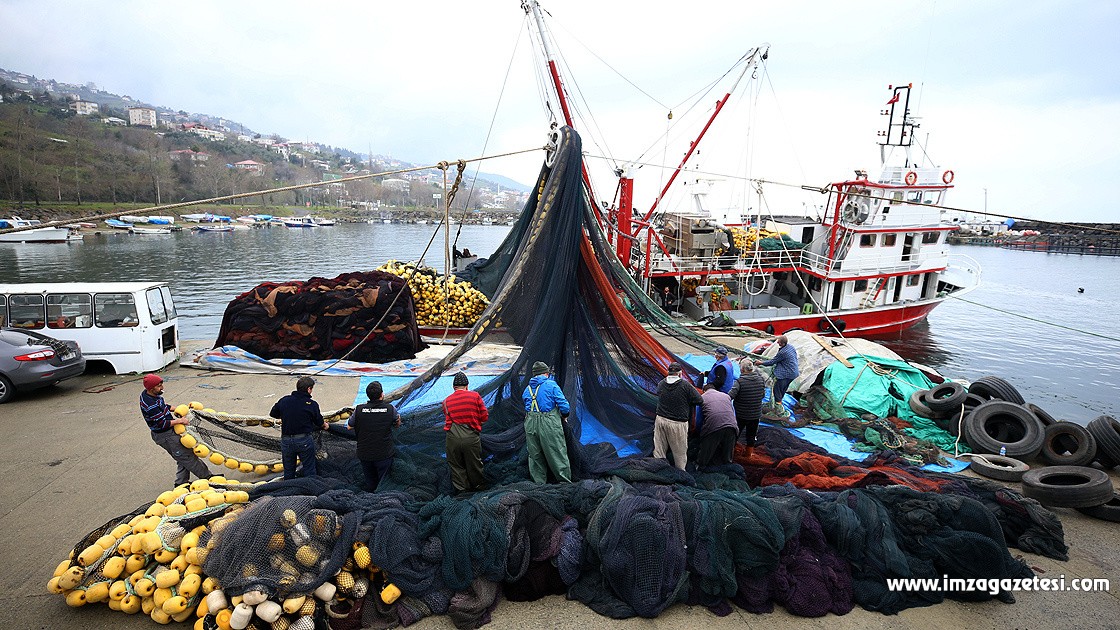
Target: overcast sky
[[1021, 99]]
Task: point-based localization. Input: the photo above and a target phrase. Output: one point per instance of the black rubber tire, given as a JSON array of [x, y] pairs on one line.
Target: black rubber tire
[[6, 389], [1106, 430], [994, 387], [1109, 511], [918, 405], [998, 467], [946, 397], [1068, 486], [1068, 444], [1040, 413], [972, 401], [983, 421]]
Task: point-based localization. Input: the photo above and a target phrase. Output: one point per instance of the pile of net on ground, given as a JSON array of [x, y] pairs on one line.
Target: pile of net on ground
[[632, 535], [326, 319]]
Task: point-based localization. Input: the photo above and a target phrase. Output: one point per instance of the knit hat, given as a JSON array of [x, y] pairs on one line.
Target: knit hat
[[461, 380], [720, 350], [540, 367], [674, 367], [151, 380]]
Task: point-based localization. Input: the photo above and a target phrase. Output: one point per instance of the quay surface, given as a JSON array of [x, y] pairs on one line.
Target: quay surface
[[76, 455]]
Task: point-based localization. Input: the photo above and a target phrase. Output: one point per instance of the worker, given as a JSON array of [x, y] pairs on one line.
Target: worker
[[785, 369], [157, 414], [300, 418], [464, 413], [546, 408], [676, 398], [373, 423]]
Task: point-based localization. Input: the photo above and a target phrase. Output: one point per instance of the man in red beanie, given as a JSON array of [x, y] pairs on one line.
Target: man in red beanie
[[160, 420]]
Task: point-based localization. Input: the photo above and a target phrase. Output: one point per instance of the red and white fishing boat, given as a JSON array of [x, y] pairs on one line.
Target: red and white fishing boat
[[875, 263]]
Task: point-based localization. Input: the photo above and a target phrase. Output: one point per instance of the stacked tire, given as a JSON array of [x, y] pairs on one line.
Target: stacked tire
[[1004, 421]]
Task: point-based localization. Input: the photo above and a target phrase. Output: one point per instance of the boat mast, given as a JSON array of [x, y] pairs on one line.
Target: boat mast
[[900, 127], [533, 7], [753, 57]]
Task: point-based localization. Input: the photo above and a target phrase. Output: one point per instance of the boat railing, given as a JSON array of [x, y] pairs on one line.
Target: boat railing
[[872, 265]]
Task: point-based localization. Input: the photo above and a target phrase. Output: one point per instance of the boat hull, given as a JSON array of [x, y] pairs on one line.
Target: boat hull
[[41, 235], [877, 322]]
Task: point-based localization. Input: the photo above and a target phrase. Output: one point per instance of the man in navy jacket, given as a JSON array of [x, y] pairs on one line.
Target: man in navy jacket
[[300, 417]]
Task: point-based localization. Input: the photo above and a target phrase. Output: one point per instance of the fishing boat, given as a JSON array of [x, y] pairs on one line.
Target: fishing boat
[[117, 224], [149, 231], [322, 222], [217, 227], [874, 263], [299, 222], [36, 235]]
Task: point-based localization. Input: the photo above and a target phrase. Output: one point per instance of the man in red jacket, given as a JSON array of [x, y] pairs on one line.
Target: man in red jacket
[[464, 412]]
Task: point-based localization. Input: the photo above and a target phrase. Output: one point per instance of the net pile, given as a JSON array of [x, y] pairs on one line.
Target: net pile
[[326, 319], [631, 536]]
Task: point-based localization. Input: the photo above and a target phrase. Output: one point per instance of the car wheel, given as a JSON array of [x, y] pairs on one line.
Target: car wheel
[[6, 389]]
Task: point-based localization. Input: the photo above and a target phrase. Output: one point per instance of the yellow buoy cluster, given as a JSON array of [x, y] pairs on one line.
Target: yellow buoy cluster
[[746, 239], [152, 565], [439, 303]]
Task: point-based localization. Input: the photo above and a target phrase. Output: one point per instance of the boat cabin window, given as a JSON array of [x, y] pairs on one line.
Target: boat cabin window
[[156, 307], [914, 196], [931, 196], [69, 310], [897, 195], [3, 311], [930, 237], [859, 286], [114, 310], [889, 240], [26, 311], [912, 281], [867, 240]]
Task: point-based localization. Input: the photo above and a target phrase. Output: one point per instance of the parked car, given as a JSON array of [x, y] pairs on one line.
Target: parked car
[[29, 360]]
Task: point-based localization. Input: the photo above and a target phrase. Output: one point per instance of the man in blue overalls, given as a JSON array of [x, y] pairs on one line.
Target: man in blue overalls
[[545, 410]]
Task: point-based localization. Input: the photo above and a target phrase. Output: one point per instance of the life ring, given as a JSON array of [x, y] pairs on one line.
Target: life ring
[[911, 178], [947, 177]]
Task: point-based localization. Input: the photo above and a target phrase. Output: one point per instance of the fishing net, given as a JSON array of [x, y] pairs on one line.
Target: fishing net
[[787, 523], [368, 316]]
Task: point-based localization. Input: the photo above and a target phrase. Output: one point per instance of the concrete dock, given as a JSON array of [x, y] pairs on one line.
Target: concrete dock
[[78, 454]]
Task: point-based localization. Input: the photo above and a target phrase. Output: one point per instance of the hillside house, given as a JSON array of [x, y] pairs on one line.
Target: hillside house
[[83, 108], [193, 156], [253, 167], [142, 117]]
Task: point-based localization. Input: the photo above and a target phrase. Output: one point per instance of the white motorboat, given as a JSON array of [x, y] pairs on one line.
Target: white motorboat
[[37, 235], [149, 231], [321, 222], [299, 222]]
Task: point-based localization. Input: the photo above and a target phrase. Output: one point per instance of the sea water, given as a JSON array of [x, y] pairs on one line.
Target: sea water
[[1027, 322]]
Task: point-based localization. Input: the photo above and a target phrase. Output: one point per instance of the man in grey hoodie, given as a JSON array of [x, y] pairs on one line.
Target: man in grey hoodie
[[676, 399]]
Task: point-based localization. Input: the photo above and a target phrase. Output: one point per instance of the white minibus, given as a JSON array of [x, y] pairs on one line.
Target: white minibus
[[132, 326]]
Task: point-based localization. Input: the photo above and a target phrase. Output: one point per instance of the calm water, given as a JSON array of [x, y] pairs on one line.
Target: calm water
[[1071, 374]]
